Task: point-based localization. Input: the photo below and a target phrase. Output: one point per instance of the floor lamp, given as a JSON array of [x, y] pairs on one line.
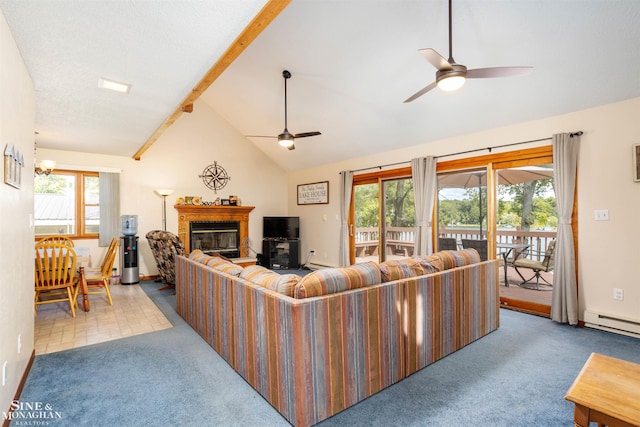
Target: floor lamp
[[164, 192]]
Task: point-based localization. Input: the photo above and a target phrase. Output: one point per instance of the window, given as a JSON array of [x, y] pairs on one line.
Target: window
[[67, 202]]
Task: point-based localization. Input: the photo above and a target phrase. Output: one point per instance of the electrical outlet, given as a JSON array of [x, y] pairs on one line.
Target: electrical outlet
[[312, 251], [618, 294]]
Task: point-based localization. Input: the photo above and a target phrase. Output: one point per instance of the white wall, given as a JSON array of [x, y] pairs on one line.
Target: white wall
[[194, 141], [17, 116], [607, 250]]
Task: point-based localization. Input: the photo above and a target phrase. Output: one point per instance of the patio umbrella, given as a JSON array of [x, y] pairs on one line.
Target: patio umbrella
[[478, 179]]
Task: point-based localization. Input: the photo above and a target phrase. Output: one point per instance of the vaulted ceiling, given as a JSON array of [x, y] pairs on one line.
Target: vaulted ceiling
[[353, 63]]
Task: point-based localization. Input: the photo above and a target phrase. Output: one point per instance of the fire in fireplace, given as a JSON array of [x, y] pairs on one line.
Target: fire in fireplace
[[221, 237]]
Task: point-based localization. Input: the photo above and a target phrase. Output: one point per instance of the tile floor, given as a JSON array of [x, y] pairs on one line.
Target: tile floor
[[132, 313]]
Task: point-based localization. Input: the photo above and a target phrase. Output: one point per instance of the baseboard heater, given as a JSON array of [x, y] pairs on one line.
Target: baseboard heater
[[314, 266], [612, 323]]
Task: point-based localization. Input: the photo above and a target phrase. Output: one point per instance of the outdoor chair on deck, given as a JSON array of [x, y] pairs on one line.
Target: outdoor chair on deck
[[165, 246], [447, 244], [538, 267], [479, 245]]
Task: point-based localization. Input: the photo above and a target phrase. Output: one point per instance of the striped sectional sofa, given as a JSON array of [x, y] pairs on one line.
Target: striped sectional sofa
[[315, 345]]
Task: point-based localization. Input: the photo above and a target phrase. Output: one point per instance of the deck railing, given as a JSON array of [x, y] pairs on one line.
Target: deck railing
[[400, 240]]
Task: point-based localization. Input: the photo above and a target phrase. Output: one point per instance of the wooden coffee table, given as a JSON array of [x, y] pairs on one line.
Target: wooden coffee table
[[607, 391]]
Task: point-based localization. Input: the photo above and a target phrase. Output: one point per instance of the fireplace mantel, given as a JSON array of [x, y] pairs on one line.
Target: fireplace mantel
[[188, 213]]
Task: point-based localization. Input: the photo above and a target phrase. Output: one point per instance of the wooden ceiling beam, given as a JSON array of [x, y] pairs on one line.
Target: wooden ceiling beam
[[266, 15]]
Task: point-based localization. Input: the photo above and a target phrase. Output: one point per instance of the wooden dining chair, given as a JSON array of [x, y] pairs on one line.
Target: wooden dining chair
[[56, 238], [55, 275], [98, 278]]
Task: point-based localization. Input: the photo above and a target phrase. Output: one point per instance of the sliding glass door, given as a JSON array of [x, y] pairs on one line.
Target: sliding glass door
[[384, 219], [526, 225]]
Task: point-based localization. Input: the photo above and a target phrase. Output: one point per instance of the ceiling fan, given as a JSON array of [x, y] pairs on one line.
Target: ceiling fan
[[286, 138], [451, 76]]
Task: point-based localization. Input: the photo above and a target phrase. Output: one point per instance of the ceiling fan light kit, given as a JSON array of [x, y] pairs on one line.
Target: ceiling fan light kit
[[451, 76], [451, 80], [286, 139]]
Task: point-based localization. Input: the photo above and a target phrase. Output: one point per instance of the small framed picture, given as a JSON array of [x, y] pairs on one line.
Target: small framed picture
[[636, 162], [225, 202], [313, 194]]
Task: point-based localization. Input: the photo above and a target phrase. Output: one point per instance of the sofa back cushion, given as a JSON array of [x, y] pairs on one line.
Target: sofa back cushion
[[401, 269], [281, 283], [430, 263], [332, 280], [460, 258], [229, 268], [198, 256], [216, 262]]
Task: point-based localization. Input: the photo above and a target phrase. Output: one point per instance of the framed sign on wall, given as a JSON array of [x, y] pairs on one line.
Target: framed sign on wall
[[316, 193]]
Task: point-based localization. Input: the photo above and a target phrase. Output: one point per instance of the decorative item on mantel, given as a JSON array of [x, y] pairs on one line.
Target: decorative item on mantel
[[197, 201]]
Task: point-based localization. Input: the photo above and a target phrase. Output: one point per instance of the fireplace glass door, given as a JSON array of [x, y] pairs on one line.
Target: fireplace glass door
[[216, 237]]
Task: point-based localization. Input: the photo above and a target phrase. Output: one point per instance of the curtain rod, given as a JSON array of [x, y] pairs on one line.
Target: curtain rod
[[571, 135]]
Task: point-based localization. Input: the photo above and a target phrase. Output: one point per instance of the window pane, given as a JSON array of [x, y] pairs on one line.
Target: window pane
[[462, 207], [527, 207], [91, 219], [367, 212], [400, 218], [54, 204], [91, 190]]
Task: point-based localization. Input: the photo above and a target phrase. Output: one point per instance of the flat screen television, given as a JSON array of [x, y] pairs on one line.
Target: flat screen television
[[281, 227]]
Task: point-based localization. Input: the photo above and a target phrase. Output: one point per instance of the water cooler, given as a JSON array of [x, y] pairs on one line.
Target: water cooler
[[129, 251]]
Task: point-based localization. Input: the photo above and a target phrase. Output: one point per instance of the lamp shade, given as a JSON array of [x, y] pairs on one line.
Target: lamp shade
[[47, 164], [164, 191]]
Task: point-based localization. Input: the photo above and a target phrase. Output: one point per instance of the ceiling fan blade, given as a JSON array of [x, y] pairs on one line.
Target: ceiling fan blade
[[305, 134], [436, 59], [484, 73], [421, 92]]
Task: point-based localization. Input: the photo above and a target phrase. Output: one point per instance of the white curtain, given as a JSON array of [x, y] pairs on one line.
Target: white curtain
[[346, 182], [423, 175], [109, 207], [564, 300]]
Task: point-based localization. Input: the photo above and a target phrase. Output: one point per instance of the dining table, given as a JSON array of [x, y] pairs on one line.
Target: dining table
[[83, 289], [511, 248]]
